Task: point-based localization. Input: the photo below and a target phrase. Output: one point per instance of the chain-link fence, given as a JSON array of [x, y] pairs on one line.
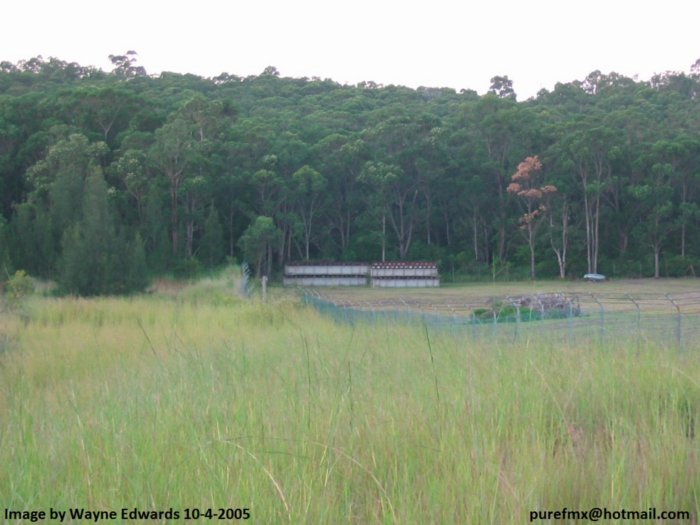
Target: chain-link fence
[[246, 281], [670, 320]]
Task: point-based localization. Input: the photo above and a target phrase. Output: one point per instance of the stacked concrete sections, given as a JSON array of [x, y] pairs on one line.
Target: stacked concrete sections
[[378, 275], [326, 274], [404, 275]]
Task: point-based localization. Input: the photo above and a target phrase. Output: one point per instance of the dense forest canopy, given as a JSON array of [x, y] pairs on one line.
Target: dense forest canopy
[[106, 177]]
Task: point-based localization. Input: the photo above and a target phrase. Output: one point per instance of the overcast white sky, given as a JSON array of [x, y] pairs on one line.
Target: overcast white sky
[[437, 43]]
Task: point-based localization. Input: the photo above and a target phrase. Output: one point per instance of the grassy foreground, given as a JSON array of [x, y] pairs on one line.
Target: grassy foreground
[[199, 399]]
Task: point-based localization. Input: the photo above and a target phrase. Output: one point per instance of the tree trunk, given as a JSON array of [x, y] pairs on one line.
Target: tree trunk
[[683, 239], [596, 234], [258, 267], [189, 241], [342, 231], [501, 242], [448, 235], [269, 260], [476, 237], [384, 236], [588, 217], [429, 211], [623, 242], [346, 238], [173, 218], [564, 242], [560, 250], [657, 251], [531, 243], [231, 238]]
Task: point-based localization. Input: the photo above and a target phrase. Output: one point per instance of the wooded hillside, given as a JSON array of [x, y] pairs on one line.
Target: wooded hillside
[[106, 177]]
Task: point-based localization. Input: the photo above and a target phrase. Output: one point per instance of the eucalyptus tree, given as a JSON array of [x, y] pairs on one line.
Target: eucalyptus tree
[[290, 153], [197, 191], [498, 123], [169, 155], [341, 158], [679, 158], [502, 87], [654, 199], [125, 65], [211, 248], [398, 143], [269, 187], [431, 166], [182, 150], [308, 195], [396, 198], [587, 147], [11, 183], [258, 242], [465, 194], [106, 110], [131, 169], [272, 192], [6, 263], [563, 205]]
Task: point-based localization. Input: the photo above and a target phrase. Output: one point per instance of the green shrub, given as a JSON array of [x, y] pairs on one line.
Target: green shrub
[[19, 286], [188, 268]]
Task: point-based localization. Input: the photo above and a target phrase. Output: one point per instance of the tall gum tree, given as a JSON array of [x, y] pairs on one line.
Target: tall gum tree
[[498, 121], [392, 198], [655, 208], [398, 142], [181, 149], [341, 158], [587, 150], [679, 157], [308, 194], [560, 207]]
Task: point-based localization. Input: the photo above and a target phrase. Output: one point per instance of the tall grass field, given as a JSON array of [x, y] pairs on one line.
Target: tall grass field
[[198, 399]]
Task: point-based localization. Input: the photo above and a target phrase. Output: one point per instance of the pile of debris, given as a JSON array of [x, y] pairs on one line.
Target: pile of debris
[[549, 303], [530, 308]]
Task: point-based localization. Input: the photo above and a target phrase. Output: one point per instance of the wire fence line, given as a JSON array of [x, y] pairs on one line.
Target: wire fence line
[[668, 320], [246, 281]]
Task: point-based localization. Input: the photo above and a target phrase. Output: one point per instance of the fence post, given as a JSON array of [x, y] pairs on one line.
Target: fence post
[[679, 321], [602, 318], [639, 321], [245, 279], [570, 321], [493, 326], [455, 321]]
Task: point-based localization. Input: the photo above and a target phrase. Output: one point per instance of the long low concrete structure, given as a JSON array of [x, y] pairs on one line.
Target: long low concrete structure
[[407, 282], [397, 274], [317, 280], [292, 270], [396, 270]]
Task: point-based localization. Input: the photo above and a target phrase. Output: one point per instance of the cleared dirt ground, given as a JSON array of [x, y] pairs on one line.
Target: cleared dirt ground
[[646, 295]]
